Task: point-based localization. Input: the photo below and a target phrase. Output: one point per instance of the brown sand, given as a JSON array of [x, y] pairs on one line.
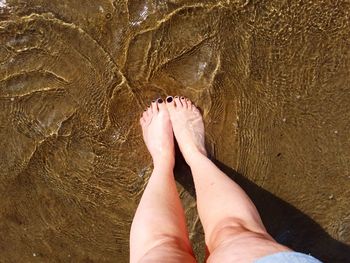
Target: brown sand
[[273, 81]]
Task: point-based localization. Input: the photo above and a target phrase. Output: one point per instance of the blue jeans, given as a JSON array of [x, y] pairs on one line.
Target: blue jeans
[[288, 257]]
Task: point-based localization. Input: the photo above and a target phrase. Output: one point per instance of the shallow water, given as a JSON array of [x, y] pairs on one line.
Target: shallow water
[[272, 78]]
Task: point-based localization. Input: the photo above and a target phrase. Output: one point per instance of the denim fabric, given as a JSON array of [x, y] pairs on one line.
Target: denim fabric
[[288, 257]]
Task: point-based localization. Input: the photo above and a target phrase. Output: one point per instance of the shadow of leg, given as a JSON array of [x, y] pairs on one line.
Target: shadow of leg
[[288, 225]]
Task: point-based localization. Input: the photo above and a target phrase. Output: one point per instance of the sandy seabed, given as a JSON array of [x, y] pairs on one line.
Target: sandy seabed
[[273, 81]]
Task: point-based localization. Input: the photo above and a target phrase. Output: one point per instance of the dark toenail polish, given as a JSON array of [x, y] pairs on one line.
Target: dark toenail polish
[[169, 99], [153, 101], [160, 101], [182, 98]]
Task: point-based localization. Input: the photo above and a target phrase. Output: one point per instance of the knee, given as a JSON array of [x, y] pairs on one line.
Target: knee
[[168, 249], [237, 243], [167, 256], [232, 229]]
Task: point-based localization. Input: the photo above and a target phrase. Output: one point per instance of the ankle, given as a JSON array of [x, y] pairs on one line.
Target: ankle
[[164, 163], [194, 157]]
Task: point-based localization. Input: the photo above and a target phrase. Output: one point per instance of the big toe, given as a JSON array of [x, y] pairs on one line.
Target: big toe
[[170, 103]]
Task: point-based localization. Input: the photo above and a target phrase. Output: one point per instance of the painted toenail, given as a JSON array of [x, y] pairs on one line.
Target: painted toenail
[[182, 98], [160, 101], [153, 101], [169, 99], [176, 97]]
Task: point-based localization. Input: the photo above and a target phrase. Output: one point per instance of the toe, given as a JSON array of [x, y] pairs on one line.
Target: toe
[[142, 121], [170, 103], [189, 104], [178, 103], [149, 110], [154, 106], [145, 113], [195, 109], [161, 105], [183, 102]]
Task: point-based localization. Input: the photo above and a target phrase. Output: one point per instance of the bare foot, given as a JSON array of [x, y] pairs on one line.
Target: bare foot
[[158, 134], [188, 126]]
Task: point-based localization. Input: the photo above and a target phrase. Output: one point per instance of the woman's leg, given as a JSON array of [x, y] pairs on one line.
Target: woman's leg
[[158, 231], [233, 229]]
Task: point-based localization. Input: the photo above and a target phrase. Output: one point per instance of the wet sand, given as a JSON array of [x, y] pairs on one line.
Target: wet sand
[[272, 79]]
